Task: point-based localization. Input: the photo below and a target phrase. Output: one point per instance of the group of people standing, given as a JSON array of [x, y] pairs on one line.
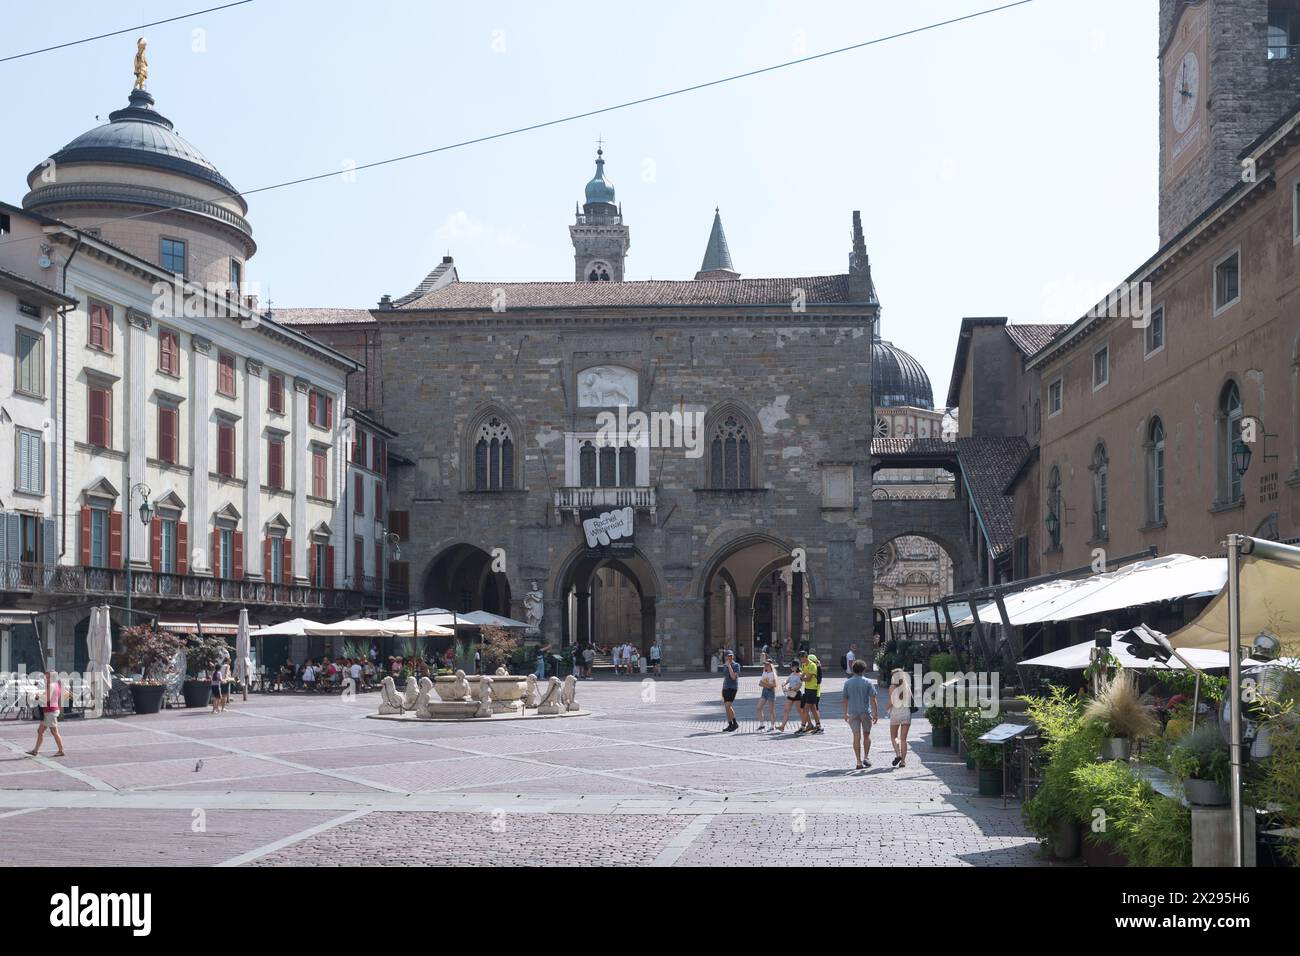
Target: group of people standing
[[802, 688]]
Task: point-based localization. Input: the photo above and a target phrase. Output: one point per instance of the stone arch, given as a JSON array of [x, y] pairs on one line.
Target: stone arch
[[461, 573], [573, 594]]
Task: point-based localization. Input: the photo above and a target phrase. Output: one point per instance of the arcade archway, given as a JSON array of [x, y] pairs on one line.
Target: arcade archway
[[607, 600], [912, 570], [753, 598], [461, 579]]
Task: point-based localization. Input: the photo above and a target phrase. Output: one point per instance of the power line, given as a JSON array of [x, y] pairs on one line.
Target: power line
[[103, 36], [572, 117]]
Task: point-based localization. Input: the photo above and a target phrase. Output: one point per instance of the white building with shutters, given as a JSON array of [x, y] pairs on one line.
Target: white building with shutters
[[138, 374]]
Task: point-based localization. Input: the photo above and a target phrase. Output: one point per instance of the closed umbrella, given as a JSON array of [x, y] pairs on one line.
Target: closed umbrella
[[243, 665], [99, 645]]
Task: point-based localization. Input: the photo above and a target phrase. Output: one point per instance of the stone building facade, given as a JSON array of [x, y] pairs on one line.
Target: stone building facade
[[750, 509]]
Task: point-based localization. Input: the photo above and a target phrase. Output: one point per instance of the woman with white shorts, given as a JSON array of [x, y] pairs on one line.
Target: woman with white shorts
[[900, 714]]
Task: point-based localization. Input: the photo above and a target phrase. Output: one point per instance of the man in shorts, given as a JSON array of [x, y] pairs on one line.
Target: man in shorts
[[50, 712], [860, 712], [730, 685], [810, 668]]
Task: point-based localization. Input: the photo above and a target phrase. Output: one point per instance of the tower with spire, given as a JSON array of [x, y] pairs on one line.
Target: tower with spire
[[717, 257], [600, 237]]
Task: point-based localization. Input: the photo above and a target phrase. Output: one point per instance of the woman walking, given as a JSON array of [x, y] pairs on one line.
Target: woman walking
[[216, 686], [767, 694], [50, 715], [900, 714], [793, 695]]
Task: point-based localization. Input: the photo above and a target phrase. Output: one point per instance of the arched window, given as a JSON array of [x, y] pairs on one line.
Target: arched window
[[608, 466], [627, 467], [1100, 493], [1229, 431], [1156, 472], [729, 455], [599, 272], [1054, 517], [587, 465], [494, 457]]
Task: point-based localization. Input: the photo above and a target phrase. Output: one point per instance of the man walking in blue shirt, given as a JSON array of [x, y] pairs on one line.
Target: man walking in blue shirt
[[860, 712]]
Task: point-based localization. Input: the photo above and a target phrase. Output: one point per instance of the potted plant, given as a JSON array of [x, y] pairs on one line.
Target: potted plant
[[986, 758], [1119, 709], [884, 665], [202, 653], [1068, 742], [1200, 760], [152, 653], [940, 726]]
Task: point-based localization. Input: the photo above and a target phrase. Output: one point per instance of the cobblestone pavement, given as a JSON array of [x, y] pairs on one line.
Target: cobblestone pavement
[[648, 779]]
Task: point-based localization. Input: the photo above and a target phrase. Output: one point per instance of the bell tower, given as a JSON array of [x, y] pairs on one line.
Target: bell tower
[[600, 238], [1229, 69]]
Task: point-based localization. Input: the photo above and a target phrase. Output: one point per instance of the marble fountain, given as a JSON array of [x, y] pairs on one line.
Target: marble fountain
[[497, 696]]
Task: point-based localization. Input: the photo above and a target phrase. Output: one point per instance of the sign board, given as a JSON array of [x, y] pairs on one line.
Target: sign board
[[1003, 732], [611, 531]]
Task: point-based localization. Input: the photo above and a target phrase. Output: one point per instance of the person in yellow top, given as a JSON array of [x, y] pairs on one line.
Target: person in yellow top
[[811, 669]]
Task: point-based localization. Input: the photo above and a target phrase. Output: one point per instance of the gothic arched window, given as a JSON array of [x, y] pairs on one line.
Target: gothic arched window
[[729, 455], [1054, 515], [627, 467], [599, 272], [587, 465], [608, 466], [494, 457]]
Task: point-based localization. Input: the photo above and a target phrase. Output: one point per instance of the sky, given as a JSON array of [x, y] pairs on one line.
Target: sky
[[1005, 165]]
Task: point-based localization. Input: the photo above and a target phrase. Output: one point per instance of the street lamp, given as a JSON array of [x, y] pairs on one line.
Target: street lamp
[[146, 515], [1053, 527], [1240, 456]]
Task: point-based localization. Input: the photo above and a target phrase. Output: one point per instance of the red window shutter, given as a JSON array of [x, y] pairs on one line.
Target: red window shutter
[[98, 432], [358, 561], [85, 537], [358, 495], [275, 463], [182, 548], [277, 393], [115, 539], [107, 402], [329, 566], [167, 443], [216, 553], [238, 564], [311, 407], [329, 411], [379, 499], [226, 450], [155, 544], [311, 563], [287, 556], [266, 558]]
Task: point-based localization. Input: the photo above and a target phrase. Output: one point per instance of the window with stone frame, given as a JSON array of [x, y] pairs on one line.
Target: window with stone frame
[[730, 465], [494, 456], [1100, 493], [1228, 426], [1055, 516], [1155, 449]]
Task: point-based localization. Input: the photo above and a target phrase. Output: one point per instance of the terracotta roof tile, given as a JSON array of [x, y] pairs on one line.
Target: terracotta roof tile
[[321, 316], [817, 290], [988, 464], [1031, 338]]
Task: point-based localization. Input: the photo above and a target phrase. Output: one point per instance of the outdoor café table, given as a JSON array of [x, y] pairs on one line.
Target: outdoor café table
[[1001, 736]]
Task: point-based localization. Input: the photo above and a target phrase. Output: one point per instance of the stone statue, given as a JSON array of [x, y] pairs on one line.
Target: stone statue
[[569, 693], [607, 385], [460, 688], [533, 607], [550, 702], [501, 672], [411, 694], [141, 64], [485, 697], [391, 700], [422, 700], [530, 691]]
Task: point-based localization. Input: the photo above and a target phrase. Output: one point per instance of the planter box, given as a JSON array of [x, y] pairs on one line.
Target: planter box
[[941, 736], [148, 698], [1205, 793], [1065, 840], [1101, 853], [990, 781], [198, 693]]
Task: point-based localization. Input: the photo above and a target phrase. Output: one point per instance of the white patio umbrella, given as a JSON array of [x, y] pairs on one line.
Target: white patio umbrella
[[368, 627], [99, 645], [488, 619], [243, 652], [294, 628], [1078, 656]]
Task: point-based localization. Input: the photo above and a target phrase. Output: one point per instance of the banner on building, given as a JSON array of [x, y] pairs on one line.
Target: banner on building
[[609, 531]]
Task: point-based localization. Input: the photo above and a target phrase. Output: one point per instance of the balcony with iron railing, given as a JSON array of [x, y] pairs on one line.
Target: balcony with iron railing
[[72, 580], [641, 498]]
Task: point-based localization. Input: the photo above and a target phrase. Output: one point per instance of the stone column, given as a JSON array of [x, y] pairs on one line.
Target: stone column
[[253, 469], [138, 423], [745, 628], [200, 513], [679, 624], [300, 533], [584, 617], [796, 610]]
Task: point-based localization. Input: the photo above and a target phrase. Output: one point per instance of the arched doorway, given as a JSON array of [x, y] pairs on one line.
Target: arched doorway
[[753, 598], [607, 600], [461, 579]]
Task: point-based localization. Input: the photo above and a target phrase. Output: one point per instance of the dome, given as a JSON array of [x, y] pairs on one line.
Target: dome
[[600, 189], [897, 379], [139, 135]]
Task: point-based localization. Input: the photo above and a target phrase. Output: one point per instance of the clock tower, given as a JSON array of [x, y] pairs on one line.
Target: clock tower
[[1229, 69]]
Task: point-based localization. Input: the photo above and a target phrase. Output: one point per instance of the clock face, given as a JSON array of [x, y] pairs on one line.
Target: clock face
[[1186, 92]]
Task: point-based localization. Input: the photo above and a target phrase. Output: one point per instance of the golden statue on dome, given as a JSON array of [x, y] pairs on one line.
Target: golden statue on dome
[[141, 64]]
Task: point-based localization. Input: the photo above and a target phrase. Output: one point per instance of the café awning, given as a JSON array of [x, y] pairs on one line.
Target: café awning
[[1270, 604], [1127, 647]]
